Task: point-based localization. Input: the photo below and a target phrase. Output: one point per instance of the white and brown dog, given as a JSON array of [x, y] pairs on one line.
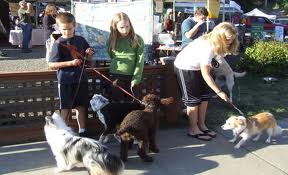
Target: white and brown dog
[[254, 125]]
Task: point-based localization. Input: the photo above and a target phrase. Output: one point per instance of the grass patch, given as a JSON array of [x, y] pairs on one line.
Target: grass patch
[[252, 95]]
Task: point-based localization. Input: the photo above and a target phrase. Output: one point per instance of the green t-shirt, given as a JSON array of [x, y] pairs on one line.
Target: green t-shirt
[[23, 16], [126, 60]]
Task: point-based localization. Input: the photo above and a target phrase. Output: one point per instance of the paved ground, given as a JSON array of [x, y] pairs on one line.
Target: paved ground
[[179, 155], [18, 61]]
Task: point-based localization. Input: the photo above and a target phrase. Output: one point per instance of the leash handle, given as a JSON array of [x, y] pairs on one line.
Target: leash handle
[[106, 78]]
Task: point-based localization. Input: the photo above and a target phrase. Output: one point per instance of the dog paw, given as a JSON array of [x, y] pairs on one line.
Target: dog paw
[[232, 140], [145, 157], [268, 141], [255, 139], [154, 149], [236, 146], [69, 167]]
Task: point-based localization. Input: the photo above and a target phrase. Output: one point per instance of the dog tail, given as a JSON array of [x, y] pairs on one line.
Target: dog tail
[[277, 131], [110, 164], [238, 74]]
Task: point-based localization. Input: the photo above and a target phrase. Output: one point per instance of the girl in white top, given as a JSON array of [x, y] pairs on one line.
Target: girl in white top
[[193, 65]]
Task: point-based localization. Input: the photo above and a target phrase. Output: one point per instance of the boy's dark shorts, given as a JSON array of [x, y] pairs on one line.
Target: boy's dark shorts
[[68, 97], [193, 87]]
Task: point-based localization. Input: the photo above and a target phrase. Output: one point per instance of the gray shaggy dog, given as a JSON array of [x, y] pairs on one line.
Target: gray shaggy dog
[[70, 149]]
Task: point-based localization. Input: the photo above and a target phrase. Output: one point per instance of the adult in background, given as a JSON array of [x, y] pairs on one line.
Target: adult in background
[[193, 65], [126, 50], [49, 20], [168, 21], [193, 27], [4, 17], [25, 23]]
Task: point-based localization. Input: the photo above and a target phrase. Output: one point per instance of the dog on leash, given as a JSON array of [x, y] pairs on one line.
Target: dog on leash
[[142, 126], [111, 114], [224, 75], [70, 149], [251, 126]]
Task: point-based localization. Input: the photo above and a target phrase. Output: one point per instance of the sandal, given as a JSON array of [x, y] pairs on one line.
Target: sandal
[[200, 136], [209, 133]]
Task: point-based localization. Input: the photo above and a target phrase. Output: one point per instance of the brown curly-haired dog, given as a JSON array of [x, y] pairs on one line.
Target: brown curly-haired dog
[[142, 125]]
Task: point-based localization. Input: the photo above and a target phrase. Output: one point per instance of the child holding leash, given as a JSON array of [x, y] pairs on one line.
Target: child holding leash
[[126, 50], [68, 55]]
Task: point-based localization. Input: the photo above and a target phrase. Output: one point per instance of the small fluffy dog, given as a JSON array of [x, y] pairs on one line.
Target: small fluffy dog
[[254, 125], [225, 75], [142, 126], [70, 149]]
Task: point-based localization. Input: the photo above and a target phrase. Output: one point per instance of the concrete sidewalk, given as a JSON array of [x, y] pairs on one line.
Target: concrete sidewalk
[[179, 155]]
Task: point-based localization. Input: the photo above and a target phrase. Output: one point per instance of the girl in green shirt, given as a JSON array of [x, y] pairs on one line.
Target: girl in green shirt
[[126, 50]]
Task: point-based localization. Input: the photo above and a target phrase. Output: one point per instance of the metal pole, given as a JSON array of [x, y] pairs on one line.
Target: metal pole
[[36, 14]]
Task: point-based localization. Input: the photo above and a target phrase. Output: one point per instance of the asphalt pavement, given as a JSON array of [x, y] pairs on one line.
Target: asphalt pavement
[[179, 155]]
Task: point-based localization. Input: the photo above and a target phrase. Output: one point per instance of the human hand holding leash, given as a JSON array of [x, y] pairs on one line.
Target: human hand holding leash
[[223, 96], [89, 52], [76, 62]]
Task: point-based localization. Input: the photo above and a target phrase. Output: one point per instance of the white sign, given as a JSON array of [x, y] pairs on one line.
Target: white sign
[[93, 21], [279, 33]]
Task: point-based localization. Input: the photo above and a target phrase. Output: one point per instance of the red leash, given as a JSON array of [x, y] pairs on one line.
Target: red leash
[[116, 85]]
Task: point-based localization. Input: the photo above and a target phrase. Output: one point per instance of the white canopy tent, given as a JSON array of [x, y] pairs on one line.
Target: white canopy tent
[[231, 7], [257, 12], [228, 8]]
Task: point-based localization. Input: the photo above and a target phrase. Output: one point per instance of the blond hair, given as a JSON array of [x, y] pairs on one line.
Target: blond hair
[[50, 9], [114, 34], [218, 36]]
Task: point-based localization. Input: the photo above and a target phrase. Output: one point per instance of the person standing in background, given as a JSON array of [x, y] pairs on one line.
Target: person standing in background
[[126, 50], [25, 24], [193, 27], [168, 26], [49, 20]]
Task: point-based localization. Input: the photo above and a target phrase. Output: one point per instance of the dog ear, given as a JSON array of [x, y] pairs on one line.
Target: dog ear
[[166, 101]]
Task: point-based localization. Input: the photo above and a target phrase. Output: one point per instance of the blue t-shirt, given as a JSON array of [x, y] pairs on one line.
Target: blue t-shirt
[[187, 25], [59, 53]]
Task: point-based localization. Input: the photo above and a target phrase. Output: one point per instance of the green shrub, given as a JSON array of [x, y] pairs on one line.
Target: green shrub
[[268, 58]]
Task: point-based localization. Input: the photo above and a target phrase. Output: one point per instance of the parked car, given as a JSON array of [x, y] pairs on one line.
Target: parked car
[[268, 25], [283, 21]]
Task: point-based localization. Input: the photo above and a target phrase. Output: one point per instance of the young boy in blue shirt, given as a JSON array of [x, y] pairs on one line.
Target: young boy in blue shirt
[[66, 57]]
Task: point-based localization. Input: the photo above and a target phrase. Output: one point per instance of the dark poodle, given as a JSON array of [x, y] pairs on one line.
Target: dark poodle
[[142, 125], [114, 114]]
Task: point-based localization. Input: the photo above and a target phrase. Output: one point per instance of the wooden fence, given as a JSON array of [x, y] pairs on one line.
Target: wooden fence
[[27, 97]]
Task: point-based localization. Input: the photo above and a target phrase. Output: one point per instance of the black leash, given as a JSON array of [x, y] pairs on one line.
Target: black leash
[[240, 112]]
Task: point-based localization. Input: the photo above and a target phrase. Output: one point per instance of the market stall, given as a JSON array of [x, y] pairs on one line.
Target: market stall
[[15, 37]]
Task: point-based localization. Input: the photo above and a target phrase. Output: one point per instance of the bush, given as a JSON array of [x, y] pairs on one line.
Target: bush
[[269, 58]]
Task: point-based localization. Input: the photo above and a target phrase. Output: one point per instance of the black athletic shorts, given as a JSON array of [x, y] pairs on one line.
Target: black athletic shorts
[[71, 97], [193, 87]]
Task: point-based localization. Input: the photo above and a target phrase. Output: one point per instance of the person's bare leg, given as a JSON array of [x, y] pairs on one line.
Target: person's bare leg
[[192, 113], [81, 117], [202, 115], [202, 118], [66, 114]]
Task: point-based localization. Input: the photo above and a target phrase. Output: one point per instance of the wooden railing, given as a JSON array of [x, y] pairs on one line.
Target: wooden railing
[[27, 97]]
